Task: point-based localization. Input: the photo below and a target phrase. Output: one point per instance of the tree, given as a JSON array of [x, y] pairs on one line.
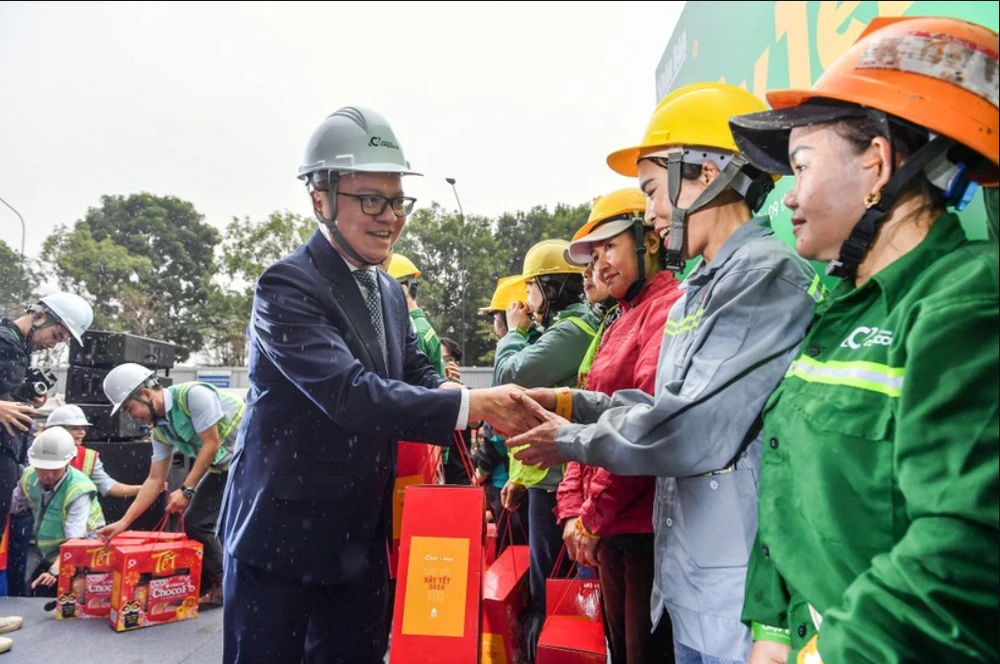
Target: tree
[[522, 230], [247, 249], [442, 247], [17, 282], [226, 316], [103, 272], [440, 244], [145, 261]]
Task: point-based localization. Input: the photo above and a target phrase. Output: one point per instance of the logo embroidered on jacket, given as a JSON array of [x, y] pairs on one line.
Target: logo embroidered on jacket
[[866, 337]]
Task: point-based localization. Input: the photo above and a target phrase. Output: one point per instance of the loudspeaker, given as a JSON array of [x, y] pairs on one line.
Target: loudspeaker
[[105, 426], [109, 349], [128, 463], [85, 385]]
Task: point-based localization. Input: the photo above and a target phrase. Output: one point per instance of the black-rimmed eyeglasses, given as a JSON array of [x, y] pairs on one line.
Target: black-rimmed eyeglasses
[[373, 205]]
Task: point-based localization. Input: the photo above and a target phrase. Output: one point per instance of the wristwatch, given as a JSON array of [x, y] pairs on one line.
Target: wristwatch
[[187, 491]]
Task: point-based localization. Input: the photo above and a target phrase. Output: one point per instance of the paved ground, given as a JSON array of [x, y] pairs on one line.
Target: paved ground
[[44, 639]]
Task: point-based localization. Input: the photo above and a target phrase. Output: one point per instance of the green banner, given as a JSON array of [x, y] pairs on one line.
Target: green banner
[[763, 46]]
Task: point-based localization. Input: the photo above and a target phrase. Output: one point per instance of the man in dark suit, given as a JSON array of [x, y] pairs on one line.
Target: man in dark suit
[[336, 380]]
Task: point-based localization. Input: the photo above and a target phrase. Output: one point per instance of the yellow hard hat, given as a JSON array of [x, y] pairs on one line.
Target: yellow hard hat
[[612, 214], [509, 290], [400, 267], [548, 257], [694, 115]]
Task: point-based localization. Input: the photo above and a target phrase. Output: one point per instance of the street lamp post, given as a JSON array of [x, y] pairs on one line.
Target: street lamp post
[[461, 261], [23, 233]]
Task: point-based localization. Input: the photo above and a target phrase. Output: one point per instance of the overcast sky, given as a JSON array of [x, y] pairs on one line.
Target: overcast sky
[[520, 102]]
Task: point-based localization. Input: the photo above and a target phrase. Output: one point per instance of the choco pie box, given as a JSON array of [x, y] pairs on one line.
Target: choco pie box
[[154, 583], [85, 579]]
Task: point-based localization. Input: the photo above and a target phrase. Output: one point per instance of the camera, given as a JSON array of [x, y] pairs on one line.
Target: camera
[[37, 383]]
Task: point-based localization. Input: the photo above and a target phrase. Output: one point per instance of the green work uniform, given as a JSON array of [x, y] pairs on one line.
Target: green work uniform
[[427, 340], [879, 485]]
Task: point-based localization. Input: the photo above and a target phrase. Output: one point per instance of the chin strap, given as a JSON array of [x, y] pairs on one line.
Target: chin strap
[[857, 244], [548, 303], [639, 233], [731, 174], [331, 225]]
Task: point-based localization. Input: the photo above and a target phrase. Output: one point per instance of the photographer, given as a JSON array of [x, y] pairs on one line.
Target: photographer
[[46, 324], [53, 320]]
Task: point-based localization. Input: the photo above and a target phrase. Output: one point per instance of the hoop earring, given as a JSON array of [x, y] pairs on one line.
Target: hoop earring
[[872, 198]]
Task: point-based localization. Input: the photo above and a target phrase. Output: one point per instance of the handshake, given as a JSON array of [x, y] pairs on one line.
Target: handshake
[[526, 417]]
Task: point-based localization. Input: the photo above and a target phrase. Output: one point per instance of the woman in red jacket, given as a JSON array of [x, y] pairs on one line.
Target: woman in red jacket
[[608, 519]]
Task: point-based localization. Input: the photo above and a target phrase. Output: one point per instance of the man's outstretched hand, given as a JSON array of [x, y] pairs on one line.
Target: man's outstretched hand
[[540, 440]]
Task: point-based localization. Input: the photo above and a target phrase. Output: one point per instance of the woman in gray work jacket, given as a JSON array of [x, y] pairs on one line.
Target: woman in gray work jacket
[[728, 341]]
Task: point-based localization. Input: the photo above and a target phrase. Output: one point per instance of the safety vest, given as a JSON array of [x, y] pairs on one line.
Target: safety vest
[[85, 460], [588, 359], [50, 523], [533, 475], [181, 433]]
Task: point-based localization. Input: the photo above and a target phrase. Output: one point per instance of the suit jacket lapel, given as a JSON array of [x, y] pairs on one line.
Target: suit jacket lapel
[[347, 292]]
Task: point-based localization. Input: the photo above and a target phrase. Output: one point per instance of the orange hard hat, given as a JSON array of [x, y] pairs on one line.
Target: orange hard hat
[[934, 72]]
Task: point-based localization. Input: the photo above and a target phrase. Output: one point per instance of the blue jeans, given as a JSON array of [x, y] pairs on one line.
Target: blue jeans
[[685, 655]]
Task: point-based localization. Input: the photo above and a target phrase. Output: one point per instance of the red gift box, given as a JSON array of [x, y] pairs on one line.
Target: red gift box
[[154, 583], [85, 579], [416, 463], [505, 594], [573, 632], [436, 615], [150, 536]]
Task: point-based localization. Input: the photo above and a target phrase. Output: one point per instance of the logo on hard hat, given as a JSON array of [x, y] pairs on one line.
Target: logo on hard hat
[[379, 142]]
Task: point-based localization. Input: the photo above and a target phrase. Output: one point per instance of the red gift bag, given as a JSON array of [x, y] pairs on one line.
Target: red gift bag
[[490, 548], [573, 632], [505, 594], [436, 615], [416, 463], [573, 597]]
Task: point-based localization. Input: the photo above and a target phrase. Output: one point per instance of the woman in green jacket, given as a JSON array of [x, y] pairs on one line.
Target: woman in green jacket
[[555, 300], [879, 488]]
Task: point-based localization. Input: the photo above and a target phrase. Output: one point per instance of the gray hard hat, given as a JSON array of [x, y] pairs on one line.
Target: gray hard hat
[[353, 139]]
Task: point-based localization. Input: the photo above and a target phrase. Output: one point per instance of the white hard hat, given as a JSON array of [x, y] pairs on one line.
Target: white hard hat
[[123, 380], [69, 415], [353, 139], [72, 311], [53, 449]]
